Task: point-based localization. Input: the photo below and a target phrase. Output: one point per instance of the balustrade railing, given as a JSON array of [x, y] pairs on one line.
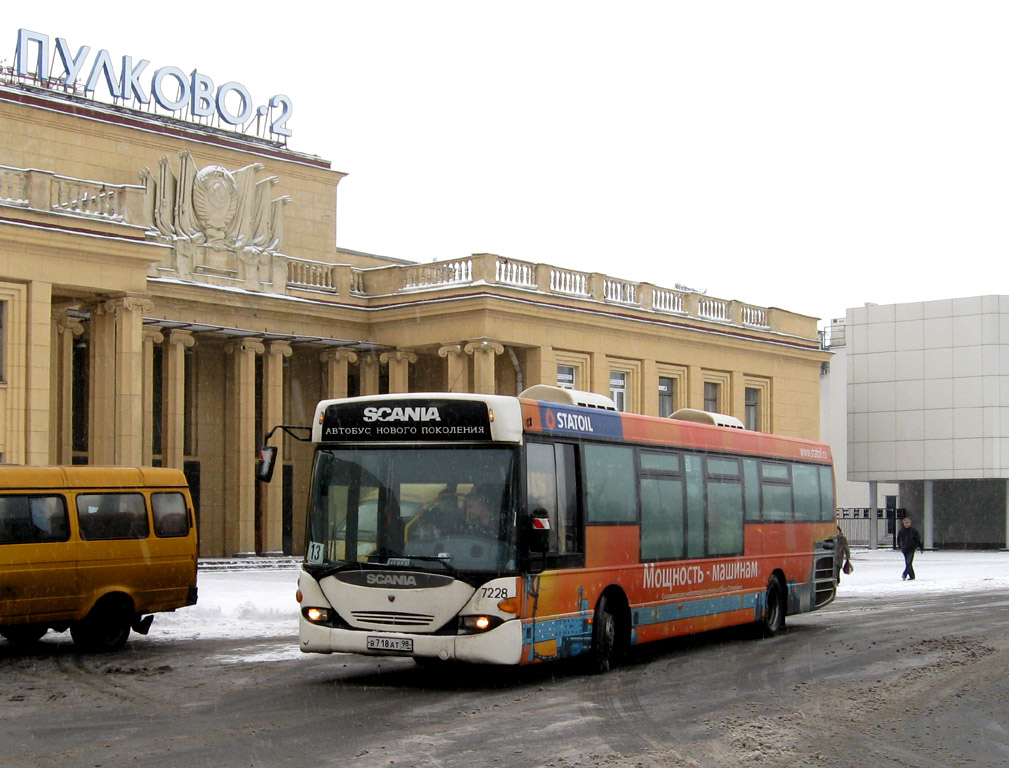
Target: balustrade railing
[[713, 309], [566, 281], [755, 316], [620, 291], [13, 186], [439, 273], [520, 273], [87, 198], [316, 275], [664, 300]]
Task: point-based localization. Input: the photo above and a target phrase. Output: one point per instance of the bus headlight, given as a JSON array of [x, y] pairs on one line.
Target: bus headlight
[[475, 624], [316, 615]]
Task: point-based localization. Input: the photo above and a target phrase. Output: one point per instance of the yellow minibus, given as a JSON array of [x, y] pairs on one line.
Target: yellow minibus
[[95, 550]]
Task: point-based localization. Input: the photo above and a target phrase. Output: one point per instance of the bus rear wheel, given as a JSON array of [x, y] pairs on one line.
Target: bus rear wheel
[[606, 641], [773, 620], [105, 629]]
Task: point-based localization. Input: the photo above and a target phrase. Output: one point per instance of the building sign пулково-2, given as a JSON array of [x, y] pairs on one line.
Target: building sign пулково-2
[[170, 87]]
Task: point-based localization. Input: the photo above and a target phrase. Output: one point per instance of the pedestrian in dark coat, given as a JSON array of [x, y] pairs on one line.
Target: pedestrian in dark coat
[[909, 540]]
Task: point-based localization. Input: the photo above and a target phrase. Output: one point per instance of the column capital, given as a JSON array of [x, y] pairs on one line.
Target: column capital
[[245, 345], [112, 304], [450, 349], [67, 324], [181, 337], [485, 345], [153, 333], [338, 354], [280, 347], [398, 356]]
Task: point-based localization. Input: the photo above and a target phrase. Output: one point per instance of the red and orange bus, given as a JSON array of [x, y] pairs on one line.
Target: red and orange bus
[[506, 530]]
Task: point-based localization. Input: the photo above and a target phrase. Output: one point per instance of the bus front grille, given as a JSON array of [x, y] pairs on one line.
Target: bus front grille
[[392, 618]]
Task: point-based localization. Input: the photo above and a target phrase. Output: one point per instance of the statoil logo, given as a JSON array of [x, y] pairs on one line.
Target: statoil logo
[[573, 422]]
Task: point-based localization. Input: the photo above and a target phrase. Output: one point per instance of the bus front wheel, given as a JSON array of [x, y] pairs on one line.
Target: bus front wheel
[[773, 620]]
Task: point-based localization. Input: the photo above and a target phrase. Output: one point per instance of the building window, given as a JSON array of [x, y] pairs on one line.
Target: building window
[[753, 409], [711, 393], [566, 377], [667, 396], [618, 389]]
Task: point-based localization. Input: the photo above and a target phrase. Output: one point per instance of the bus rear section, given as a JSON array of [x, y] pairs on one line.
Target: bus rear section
[[514, 531], [96, 550]]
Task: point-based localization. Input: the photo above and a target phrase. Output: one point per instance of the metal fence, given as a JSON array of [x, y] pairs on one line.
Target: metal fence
[[856, 524]]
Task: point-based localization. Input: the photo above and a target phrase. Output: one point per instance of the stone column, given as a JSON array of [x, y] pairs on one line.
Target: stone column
[[649, 388], [399, 369], [337, 362], [241, 444], [599, 376], [484, 352], [174, 398], [37, 372], [152, 335], [695, 387], [116, 407], [369, 373], [541, 366], [737, 396], [66, 331], [272, 506], [457, 373]]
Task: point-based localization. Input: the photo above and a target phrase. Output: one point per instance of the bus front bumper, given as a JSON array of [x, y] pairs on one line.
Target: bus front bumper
[[501, 645]]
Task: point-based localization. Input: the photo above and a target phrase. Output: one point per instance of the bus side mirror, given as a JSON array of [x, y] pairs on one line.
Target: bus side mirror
[[267, 460], [539, 530]]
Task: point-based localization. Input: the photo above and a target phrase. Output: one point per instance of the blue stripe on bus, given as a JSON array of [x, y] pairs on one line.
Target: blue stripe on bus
[[573, 634]]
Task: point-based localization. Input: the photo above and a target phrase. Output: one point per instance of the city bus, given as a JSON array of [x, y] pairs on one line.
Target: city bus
[[515, 530]]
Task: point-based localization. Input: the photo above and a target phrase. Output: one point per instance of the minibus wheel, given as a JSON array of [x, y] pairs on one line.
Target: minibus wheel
[[24, 634], [105, 629]]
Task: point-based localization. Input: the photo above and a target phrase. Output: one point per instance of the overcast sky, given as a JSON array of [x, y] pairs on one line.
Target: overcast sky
[[806, 155]]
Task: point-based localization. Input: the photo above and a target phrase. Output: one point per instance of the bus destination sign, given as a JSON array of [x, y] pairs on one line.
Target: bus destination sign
[[406, 420]]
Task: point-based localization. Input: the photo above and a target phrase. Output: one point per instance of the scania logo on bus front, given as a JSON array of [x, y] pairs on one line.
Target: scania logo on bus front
[[393, 579], [421, 413]]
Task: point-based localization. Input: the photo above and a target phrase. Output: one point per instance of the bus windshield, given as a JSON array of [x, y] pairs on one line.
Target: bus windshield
[[438, 508]]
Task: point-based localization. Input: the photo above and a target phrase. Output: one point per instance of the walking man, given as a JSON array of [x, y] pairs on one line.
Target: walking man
[[908, 540]]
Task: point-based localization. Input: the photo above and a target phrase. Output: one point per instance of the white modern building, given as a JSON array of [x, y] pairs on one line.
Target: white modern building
[[854, 499], [928, 409]]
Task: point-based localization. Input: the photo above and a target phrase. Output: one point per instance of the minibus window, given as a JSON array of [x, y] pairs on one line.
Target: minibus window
[[32, 519], [170, 515], [112, 516]]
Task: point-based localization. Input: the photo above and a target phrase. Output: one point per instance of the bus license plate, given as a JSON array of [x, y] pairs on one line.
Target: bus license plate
[[401, 644]]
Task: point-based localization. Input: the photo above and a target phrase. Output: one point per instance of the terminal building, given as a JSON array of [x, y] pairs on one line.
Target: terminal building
[[171, 290], [927, 400]]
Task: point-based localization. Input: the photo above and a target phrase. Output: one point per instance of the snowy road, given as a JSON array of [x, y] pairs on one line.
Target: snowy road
[[892, 674]]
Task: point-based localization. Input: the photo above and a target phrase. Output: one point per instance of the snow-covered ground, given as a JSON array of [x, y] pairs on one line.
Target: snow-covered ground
[[246, 601]]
